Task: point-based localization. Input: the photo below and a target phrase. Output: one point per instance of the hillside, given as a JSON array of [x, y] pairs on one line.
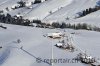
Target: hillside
[[25, 40], [33, 41]]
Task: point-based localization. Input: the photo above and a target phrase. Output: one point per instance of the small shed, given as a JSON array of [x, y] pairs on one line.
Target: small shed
[[54, 35]]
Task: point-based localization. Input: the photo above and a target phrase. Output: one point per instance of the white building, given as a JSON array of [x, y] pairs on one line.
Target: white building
[[29, 2], [54, 35], [42, 0]]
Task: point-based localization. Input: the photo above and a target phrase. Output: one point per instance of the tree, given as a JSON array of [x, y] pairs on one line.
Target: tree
[[56, 25], [1, 11], [79, 26], [63, 25], [21, 3], [7, 8], [18, 41], [27, 22], [37, 1], [90, 10], [8, 18], [20, 20], [87, 11], [84, 13], [37, 21], [84, 26], [74, 26]]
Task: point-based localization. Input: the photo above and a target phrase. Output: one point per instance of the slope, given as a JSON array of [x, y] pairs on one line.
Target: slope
[[45, 8], [71, 10]]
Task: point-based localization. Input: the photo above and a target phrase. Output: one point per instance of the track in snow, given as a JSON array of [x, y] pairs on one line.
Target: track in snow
[[37, 58]]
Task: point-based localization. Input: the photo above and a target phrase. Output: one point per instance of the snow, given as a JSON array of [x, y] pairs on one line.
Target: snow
[[23, 11], [70, 10], [57, 12], [91, 19], [41, 11], [5, 3], [34, 45]]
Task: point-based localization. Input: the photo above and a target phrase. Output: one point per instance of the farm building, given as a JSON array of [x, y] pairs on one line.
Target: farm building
[[54, 35]]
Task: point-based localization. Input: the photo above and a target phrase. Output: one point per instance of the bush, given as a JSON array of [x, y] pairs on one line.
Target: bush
[[63, 25], [56, 25], [37, 21], [37, 1], [21, 3], [14, 20], [88, 11]]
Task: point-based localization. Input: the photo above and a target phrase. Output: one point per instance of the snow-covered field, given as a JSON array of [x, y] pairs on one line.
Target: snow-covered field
[[70, 10], [55, 10], [44, 9], [34, 45], [92, 19]]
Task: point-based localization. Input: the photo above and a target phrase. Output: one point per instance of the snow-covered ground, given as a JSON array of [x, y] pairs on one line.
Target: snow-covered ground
[[55, 10], [7, 3], [36, 45], [44, 9], [92, 19], [41, 11], [70, 10]]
